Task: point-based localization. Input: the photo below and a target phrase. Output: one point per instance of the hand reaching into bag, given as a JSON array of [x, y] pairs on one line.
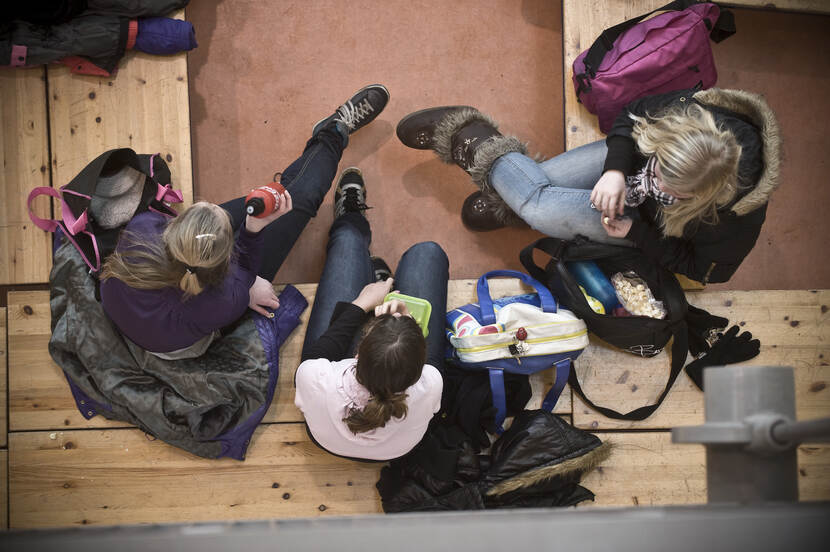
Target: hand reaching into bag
[[729, 349]]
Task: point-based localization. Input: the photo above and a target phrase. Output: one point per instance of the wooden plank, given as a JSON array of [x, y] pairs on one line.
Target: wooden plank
[[4, 396], [792, 327], [39, 396], [117, 476], [814, 472], [4, 489], [647, 469], [25, 255], [144, 107], [582, 23]]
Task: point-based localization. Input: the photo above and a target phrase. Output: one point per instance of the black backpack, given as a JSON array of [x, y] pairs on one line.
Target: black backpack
[[639, 335], [104, 196]]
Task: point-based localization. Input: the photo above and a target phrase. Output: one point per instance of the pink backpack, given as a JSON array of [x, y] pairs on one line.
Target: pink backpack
[[670, 51]]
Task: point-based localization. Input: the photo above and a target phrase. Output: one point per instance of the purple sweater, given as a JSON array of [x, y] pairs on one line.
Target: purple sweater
[[159, 320]]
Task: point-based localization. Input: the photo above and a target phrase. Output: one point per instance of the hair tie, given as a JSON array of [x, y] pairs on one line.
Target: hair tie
[[200, 236], [190, 269]]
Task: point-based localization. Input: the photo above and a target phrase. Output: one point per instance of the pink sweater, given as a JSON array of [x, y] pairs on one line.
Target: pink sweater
[[327, 390]]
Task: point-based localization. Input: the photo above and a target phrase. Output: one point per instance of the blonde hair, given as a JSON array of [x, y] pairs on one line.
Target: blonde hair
[[696, 157], [194, 253]]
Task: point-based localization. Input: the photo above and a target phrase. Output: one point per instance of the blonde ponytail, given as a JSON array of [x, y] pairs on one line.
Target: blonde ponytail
[[194, 253], [189, 283], [696, 157]]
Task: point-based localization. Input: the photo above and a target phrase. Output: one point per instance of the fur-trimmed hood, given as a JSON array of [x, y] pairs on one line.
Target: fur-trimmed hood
[[754, 107]]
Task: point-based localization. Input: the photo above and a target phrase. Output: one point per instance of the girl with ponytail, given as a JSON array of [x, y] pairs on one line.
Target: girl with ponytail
[[370, 381], [172, 284]]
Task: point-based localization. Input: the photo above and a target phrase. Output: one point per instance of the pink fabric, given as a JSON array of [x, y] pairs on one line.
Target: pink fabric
[[326, 391], [670, 51], [132, 32], [18, 58], [81, 66], [166, 193], [44, 224]]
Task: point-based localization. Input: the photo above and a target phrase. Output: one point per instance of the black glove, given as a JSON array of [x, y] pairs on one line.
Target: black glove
[[700, 324], [729, 349]]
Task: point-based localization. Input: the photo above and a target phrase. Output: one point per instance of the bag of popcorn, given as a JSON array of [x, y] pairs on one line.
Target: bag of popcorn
[[636, 297]]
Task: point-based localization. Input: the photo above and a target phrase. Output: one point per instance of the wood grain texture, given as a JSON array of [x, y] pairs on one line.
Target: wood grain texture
[[117, 476], [4, 395], [647, 469], [39, 396], [25, 255], [583, 23], [4, 489], [144, 106], [793, 329]]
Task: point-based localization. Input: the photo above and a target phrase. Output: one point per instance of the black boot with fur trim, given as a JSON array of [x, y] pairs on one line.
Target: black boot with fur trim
[[466, 137]]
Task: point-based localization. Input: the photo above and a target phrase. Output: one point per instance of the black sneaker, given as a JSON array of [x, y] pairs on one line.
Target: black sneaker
[[381, 269], [350, 193], [360, 110]]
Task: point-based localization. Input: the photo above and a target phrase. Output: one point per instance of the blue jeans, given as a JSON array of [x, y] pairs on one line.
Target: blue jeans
[[423, 272], [308, 179], [553, 197]]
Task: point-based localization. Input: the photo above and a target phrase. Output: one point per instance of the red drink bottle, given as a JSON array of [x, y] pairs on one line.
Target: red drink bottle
[[264, 200]]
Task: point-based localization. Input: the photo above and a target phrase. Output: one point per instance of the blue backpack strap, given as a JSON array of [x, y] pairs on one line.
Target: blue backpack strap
[[488, 316], [563, 369], [499, 399]]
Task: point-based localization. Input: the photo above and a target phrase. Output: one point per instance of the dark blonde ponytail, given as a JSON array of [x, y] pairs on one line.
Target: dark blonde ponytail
[[194, 253], [390, 359]]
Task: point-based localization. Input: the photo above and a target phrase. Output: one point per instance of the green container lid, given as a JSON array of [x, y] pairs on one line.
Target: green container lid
[[420, 309]]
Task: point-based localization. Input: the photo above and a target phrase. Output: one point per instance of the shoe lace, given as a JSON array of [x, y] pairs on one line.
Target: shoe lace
[[352, 200], [351, 115]]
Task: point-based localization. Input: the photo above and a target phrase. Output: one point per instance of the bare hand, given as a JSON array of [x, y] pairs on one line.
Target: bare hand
[[616, 228], [253, 224], [608, 195], [395, 307], [261, 295], [372, 295]]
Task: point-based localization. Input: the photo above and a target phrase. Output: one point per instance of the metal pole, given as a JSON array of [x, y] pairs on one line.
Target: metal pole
[[744, 464], [813, 431]]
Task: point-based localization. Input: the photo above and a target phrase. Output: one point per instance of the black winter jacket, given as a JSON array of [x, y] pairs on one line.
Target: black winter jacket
[[706, 253], [99, 33], [538, 462]]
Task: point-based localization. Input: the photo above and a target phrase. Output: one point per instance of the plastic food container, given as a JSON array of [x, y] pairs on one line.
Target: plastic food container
[[420, 309]]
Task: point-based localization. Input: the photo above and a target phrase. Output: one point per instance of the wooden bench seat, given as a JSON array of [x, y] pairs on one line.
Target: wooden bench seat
[[39, 396], [64, 470], [144, 106]]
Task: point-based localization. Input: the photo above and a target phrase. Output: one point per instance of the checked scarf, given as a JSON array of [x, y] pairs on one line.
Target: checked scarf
[[642, 185]]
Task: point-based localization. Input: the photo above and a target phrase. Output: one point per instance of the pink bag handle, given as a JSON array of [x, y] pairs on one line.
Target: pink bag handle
[[73, 225], [168, 194], [44, 224]]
